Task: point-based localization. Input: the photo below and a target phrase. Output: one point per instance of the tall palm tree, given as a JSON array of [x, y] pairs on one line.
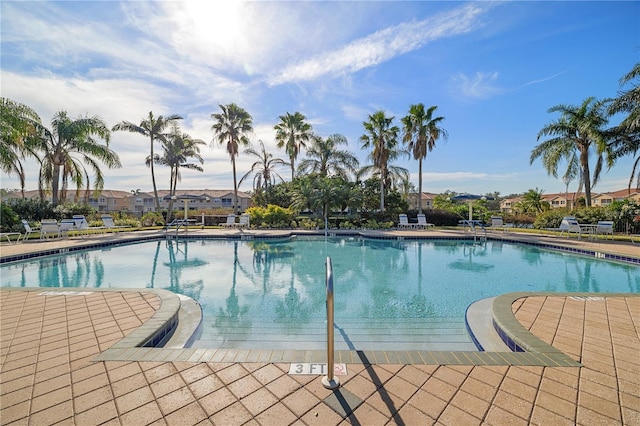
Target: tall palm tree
[[263, 170], [421, 131], [153, 128], [627, 134], [382, 138], [578, 131], [178, 148], [68, 142], [325, 158], [232, 127], [292, 133], [19, 125]]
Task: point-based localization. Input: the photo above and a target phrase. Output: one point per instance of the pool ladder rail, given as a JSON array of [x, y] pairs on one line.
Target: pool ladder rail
[[329, 381], [473, 227]]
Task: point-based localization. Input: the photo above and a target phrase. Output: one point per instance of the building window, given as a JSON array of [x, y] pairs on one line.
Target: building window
[[226, 202]]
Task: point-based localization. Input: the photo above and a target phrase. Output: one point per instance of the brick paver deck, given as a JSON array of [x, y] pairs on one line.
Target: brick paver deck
[[47, 376]]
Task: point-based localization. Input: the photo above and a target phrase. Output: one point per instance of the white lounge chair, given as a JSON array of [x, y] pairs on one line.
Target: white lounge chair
[[497, 222], [28, 230], [65, 226], [49, 228], [569, 224], [244, 221], [422, 222], [231, 221], [108, 223], [10, 234], [605, 227], [403, 222], [82, 225]]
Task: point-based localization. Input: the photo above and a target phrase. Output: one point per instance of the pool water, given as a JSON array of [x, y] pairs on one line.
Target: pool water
[[389, 295]]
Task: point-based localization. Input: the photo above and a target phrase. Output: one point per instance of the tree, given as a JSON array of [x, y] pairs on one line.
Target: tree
[[292, 133], [421, 131], [178, 148], [532, 201], [578, 131], [231, 127], [65, 145], [153, 128], [627, 134], [324, 158], [263, 170], [382, 138], [19, 125]]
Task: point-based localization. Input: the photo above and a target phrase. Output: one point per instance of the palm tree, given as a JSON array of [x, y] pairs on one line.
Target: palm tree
[[19, 125], [153, 128], [382, 137], [292, 133], [67, 140], [178, 148], [231, 127], [578, 129], [324, 158], [421, 131], [627, 134], [532, 201], [263, 170]]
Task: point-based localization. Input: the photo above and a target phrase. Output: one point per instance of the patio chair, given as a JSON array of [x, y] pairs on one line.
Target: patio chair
[[231, 221], [108, 223], [497, 222], [65, 226], [82, 225], [605, 227], [569, 224], [7, 235], [28, 230], [422, 222], [244, 221], [403, 222], [49, 228]]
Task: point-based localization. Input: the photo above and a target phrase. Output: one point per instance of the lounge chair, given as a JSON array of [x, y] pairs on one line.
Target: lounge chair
[[108, 223], [7, 235], [422, 222], [28, 230], [605, 227], [65, 226], [82, 225], [49, 228], [403, 222], [244, 221], [497, 222], [569, 224], [231, 221]]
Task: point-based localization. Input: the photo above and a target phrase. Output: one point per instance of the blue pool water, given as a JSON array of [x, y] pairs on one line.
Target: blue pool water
[[271, 294]]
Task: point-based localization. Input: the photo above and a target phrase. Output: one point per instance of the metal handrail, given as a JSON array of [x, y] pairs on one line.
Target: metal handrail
[[329, 381]]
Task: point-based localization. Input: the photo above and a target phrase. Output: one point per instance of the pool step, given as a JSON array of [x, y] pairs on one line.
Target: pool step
[[349, 334]]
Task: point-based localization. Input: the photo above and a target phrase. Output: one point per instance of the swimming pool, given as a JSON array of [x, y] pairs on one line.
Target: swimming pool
[[270, 294]]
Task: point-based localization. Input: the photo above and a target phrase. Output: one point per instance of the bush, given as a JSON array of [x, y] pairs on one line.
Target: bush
[[34, 210], [9, 220], [271, 216], [550, 218], [152, 219]]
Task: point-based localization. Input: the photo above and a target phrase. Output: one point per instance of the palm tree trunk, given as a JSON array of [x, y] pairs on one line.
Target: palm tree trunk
[[153, 180], [235, 187], [382, 178], [293, 170], [586, 178], [55, 184], [420, 186]]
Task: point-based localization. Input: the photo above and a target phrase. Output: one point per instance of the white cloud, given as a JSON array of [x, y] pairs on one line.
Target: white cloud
[[381, 46], [479, 86]]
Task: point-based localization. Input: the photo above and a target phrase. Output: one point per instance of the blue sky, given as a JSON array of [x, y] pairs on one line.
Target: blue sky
[[492, 68]]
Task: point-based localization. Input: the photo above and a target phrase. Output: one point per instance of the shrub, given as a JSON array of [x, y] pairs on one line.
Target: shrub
[[152, 219], [9, 220], [271, 216], [34, 210]]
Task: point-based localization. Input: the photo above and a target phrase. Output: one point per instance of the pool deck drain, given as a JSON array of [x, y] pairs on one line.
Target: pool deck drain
[[49, 372]]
